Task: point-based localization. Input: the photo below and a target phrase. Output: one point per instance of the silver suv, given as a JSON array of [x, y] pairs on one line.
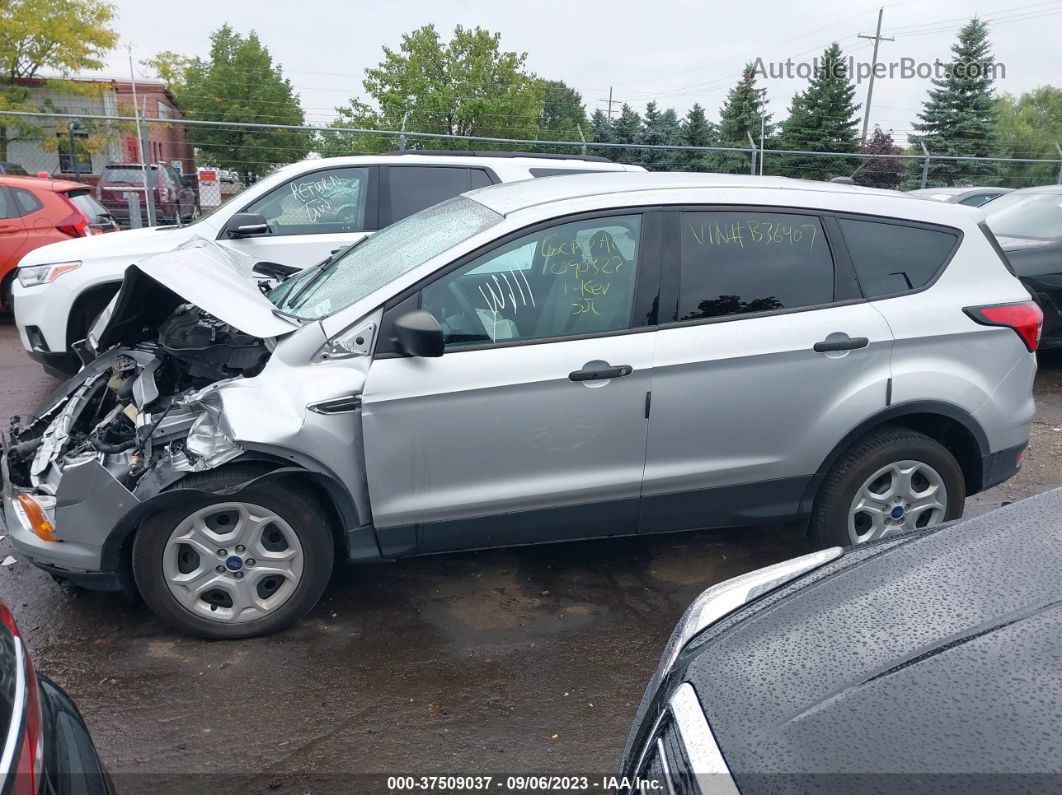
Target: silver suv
[[556, 359]]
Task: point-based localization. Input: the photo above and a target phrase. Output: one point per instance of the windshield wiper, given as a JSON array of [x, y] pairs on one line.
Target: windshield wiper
[[321, 269]]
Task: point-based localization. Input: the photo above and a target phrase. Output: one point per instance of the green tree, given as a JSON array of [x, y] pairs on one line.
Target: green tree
[[239, 82], [626, 129], [958, 119], [695, 130], [64, 36], [740, 117], [659, 128], [466, 86], [563, 114], [1029, 127], [823, 118], [601, 132]]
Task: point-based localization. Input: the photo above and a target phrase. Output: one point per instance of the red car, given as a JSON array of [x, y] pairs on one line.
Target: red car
[[175, 202], [34, 212], [46, 747]]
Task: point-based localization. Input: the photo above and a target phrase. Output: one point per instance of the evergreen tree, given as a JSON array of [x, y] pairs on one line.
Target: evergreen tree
[[601, 132], [658, 129], [959, 117], [823, 119], [742, 114], [695, 130], [881, 172], [626, 129]]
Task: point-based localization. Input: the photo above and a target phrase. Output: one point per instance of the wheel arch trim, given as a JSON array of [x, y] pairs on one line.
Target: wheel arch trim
[[893, 413], [115, 546]]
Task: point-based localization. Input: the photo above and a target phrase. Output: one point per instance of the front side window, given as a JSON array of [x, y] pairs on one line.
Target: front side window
[[324, 202], [378, 260], [734, 263], [575, 278], [891, 258]]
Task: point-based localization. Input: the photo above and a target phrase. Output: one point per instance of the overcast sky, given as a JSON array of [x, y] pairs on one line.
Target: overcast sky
[[675, 51]]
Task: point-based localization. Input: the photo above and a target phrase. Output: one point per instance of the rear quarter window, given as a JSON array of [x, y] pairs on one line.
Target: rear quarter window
[[892, 258], [25, 200]]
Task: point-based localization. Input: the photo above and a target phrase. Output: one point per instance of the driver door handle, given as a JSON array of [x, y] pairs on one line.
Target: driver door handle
[[601, 373], [850, 344]]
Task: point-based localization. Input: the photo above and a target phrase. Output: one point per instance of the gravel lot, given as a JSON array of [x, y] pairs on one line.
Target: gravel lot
[[528, 660]]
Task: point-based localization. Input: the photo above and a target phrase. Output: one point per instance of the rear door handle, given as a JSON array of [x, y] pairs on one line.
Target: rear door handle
[[601, 373], [849, 344]]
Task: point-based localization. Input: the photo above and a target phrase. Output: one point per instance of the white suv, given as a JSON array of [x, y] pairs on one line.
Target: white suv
[[307, 210]]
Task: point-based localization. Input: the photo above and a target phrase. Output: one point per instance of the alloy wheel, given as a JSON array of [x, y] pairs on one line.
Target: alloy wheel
[[900, 496], [233, 562]]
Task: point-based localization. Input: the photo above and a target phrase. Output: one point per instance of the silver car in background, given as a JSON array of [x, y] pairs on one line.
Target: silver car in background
[[551, 360]]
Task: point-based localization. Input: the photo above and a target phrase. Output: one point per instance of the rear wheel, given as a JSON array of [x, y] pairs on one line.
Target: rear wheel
[[893, 480], [234, 567]]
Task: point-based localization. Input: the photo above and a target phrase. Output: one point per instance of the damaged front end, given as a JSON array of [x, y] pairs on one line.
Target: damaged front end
[[131, 423]]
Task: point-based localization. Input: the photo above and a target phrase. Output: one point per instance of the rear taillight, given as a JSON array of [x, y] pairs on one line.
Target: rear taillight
[[1025, 317], [26, 733], [76, 224]]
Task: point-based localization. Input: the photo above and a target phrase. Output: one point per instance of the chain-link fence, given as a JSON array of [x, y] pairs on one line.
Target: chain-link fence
[[196, 165]]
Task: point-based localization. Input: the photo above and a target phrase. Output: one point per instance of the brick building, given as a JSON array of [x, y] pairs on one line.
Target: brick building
[[166, 142]]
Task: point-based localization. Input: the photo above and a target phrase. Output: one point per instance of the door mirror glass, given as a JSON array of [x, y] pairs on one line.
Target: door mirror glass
[[246, 225], [419, 334]]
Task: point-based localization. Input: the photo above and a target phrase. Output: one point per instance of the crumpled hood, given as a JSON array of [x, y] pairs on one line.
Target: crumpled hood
[[132, 243], [199, 271]]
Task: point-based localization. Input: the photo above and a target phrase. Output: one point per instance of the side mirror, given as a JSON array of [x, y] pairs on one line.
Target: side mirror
[[419, 334], [246, 225], [274, 270]]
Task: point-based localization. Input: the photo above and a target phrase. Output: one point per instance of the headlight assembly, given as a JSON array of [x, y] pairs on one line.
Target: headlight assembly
[[43, 274]]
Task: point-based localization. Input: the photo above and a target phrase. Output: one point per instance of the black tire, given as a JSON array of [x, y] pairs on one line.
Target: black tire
[[829, 517], [302, 512], [7, 309]]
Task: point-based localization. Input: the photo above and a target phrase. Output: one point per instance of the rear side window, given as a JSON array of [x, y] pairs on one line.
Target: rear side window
[[413, 188], [8, 208], [127, 175], [25, 200], [893, 258], [734, 263], [92, 209]]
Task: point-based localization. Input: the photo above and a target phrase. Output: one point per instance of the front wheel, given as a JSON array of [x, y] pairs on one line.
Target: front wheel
[[234, 567], [893, 480]]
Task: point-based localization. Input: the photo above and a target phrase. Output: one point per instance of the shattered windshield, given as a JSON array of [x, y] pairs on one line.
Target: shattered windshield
[[366, 267]]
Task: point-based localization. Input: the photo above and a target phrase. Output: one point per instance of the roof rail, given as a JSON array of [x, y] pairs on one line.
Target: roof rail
[[471, 153]]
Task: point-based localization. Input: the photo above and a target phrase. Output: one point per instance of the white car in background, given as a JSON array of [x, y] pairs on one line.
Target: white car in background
[[296, 216]]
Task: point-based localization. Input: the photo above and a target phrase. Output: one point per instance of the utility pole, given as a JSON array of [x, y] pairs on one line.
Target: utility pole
[[610, 102], [149, 202], [877, 39]]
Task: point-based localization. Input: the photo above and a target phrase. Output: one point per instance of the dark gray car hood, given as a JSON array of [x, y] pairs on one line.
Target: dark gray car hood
[[939, 655]]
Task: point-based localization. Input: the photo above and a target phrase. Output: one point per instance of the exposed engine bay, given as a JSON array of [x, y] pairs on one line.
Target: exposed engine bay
[[143, 411]]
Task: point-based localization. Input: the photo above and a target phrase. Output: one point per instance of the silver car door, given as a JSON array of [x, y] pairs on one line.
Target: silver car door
[[531, 426], [771, 361]]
